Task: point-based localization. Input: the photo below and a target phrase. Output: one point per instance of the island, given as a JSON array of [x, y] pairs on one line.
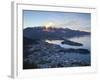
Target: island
[[68, 42]]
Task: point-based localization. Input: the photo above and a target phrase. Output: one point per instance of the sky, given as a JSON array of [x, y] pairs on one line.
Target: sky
[[72, 20]]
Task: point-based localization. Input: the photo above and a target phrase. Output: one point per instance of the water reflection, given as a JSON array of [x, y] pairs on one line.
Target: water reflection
[[85, 40]]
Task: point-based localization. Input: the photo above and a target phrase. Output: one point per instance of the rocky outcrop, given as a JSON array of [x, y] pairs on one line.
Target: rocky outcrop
[[45, 55]]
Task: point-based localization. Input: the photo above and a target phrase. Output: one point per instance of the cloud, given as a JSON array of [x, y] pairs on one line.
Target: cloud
[[79, 24]]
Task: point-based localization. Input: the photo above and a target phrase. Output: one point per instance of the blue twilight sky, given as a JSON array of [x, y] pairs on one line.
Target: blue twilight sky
[[77, 21]]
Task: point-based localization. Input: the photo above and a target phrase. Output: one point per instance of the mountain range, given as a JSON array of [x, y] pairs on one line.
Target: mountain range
[[38, 33]]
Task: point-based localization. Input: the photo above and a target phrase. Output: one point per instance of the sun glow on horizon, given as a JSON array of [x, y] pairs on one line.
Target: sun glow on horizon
[[49, 24]]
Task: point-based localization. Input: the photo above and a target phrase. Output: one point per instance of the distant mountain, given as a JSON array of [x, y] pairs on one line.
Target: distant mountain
[[51, 33]]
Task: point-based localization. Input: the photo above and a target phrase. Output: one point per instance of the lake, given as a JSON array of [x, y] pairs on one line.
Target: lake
[[85, 40]]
